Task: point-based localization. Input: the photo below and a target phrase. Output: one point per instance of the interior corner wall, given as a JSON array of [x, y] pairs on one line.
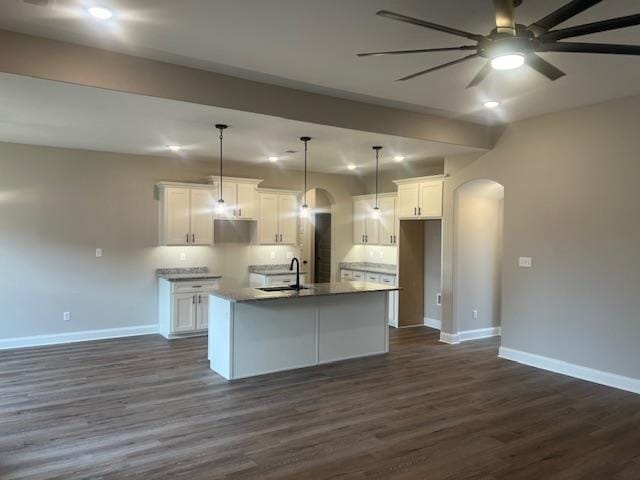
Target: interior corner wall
[[571, 203], [58, 205]]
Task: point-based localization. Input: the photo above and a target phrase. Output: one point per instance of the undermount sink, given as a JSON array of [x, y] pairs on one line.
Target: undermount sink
[[282, 288]]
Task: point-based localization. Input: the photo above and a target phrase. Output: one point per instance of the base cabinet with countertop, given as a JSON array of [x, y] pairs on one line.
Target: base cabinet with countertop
[[373, 273], [183, 306]]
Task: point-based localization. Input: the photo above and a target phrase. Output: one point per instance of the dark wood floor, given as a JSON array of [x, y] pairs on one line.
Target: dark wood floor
[[142, 408]]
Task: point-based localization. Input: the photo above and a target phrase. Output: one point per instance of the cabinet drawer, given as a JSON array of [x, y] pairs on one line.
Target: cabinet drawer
[[281, 280], [372, 277], [188, 287], [346, 275], [358, 276], [388, 279]]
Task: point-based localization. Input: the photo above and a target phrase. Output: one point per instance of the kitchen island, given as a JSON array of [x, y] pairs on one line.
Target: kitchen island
[[253, 332]]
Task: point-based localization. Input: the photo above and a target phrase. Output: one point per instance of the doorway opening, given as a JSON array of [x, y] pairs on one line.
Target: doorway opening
[[419, 269], [317, 238], [477, 259]]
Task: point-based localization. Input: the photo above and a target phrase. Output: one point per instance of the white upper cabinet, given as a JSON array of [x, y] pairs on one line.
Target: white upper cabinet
[[387, 224], [367, 229], [278, 217], [240, 197], [186, 214], [420, 197]]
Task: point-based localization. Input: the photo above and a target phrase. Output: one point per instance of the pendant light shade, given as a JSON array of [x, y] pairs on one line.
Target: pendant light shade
[[304, 209], [220, 206], [376, 210]]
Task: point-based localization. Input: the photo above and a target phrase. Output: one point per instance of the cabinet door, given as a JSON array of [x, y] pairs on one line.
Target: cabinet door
[[246, 200], [202, 312], [176, 216], [387, 224], [408, 200], [360, 211], [287, 219], [201, 217], [431, 199], [183, 317], [229, 195], [372, 225], [268, 218]]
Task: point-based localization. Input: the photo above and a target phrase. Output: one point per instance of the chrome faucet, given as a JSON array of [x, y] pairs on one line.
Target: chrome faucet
[[294, 259]]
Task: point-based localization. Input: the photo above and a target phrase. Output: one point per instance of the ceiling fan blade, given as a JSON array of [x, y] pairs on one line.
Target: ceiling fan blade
[[571, 9], [504, 16], [432, 69], [481, 75], [432, 26], [545, 68], [579, 47], [421, 50], [588, 28]]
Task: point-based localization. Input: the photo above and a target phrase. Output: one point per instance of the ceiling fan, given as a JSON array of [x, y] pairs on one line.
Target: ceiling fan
[[511, 45]]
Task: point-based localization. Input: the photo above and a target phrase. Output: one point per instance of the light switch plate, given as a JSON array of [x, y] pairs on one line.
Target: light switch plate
[[272, 254], [66, 316], [289, 255], [183, 256], [525, 262], [98, 252]]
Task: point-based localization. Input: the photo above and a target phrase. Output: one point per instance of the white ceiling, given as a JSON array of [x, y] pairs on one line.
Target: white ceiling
[[42, 112], [311, 44]]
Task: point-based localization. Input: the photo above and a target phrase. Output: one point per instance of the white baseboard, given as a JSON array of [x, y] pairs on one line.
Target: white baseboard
[[71, 337], [572, 370], [433, 323], [466, 335], [479, 333]]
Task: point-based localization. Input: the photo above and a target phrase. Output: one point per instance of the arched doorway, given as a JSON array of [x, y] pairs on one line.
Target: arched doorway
[[477, 259], [317, 236]]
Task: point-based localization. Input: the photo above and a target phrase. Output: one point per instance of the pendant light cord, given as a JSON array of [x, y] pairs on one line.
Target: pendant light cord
[[377, 149], [220, 127], [305, 140]]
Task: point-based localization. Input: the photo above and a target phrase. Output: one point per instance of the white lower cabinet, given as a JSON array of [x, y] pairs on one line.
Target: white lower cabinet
[[373, 277], [257, 280], [184, 307]]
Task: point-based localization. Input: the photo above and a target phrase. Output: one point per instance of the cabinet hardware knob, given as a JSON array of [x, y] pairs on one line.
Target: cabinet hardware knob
[[199, 298], [419, 210], [193, 238], [276, 238], [415, 211], [239, 212], [187, 238], [280, 238], [193, 299]]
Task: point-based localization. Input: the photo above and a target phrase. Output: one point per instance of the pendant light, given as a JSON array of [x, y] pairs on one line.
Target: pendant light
[[220, 207], [376, 209], [304, 210]]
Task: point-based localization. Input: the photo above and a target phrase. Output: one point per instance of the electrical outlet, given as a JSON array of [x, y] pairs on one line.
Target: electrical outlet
[[475, 314], [438, 299], [66, 316], [525, 262], [381, 254], [98, 252], [183, 256], [289, 255], [272, 254]]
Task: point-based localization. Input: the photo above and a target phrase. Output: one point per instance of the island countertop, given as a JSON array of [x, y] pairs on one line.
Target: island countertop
[[312, 290]]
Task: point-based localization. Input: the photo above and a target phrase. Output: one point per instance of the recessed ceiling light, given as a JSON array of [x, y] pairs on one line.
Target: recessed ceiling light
[[351, 166], [174, 148], [398, 158], [100, 13], [491, 104], [509, 61], [273, 158]]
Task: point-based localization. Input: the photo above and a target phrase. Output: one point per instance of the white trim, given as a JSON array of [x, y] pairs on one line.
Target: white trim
[[71, 337], [466, 335], [433, 323], [572, 370], [449, 338], [428, 178]]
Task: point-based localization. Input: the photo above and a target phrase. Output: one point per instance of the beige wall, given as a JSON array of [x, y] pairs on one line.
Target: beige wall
[[571, 202], [432, 268], [58, 205], [478, 254]]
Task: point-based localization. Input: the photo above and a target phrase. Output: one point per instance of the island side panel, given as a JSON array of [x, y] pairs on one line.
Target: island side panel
[[274, 335], [353, 325], [220, 336]]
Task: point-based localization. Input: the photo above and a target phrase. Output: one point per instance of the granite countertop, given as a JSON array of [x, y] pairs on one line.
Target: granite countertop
[[184, 274], [314, 290], [384, 268], [276, 269]]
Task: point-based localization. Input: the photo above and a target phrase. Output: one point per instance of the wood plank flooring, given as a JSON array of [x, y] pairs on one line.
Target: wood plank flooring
[[143, 408]]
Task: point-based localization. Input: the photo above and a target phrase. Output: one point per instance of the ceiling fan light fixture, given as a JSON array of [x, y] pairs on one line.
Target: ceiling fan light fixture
[[508, 61], [101, 13], [491, 104]]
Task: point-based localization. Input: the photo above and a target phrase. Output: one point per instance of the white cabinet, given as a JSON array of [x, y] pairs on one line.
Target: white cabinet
[[186, 214], [257, 280], [277, 218], [183, 307], [419, 197], [239, 195], [387, 225], [367, 229]]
